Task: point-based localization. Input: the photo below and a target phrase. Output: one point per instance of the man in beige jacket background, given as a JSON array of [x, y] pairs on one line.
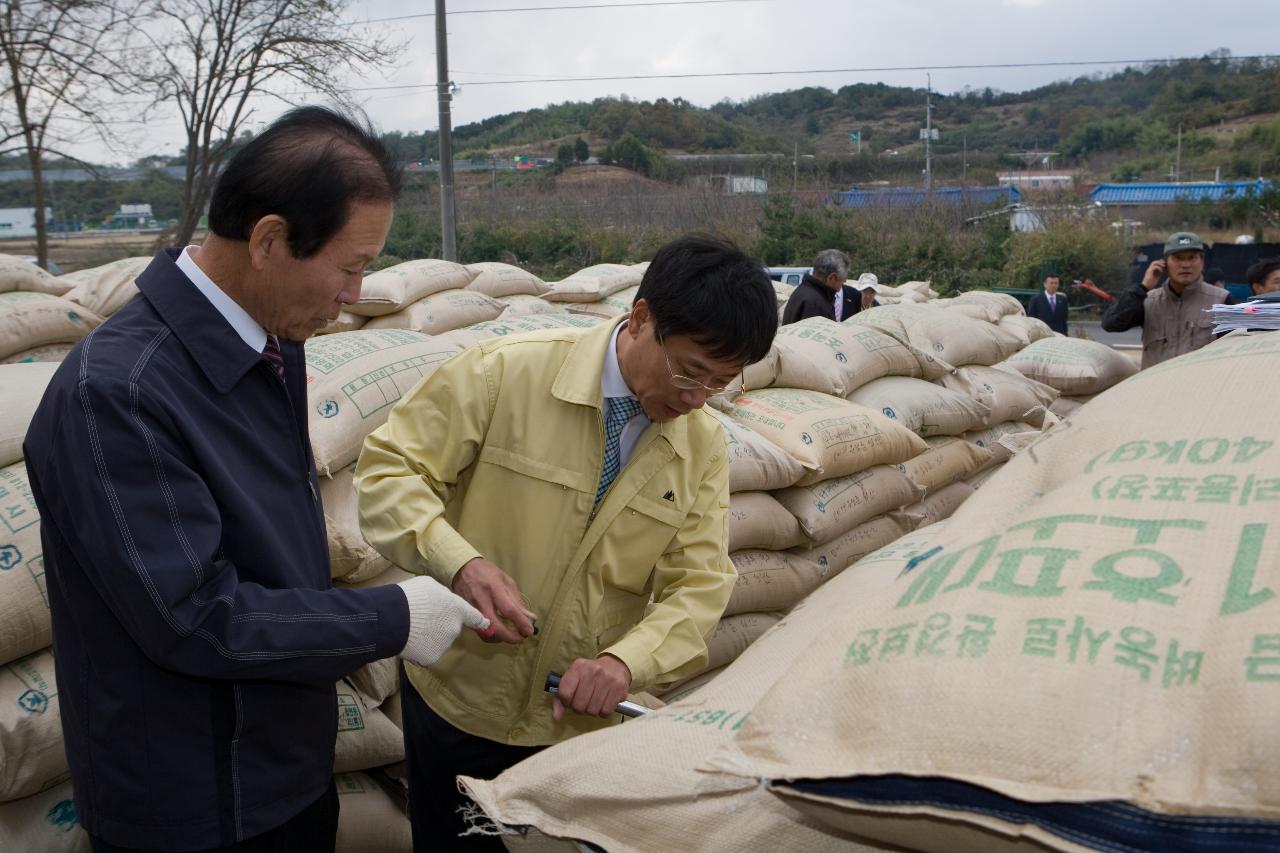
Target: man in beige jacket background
[[568, 478]]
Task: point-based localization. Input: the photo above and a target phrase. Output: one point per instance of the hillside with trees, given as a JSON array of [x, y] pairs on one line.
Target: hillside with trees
[[1120, 126]]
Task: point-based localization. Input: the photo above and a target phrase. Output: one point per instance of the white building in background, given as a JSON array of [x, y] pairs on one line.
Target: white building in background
[[734, 184], [1032, 181], [20, 221]]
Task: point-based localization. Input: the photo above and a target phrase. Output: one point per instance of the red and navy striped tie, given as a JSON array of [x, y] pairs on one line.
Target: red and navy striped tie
[[273, 355]]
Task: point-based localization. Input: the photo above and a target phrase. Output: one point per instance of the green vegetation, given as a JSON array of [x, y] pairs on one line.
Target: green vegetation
[[1134, 115]]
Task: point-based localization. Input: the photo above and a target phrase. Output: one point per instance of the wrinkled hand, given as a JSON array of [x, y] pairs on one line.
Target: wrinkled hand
[[592, 687], [494, 593]]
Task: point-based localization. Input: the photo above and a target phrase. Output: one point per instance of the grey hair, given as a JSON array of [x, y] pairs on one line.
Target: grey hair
[[830, 261]]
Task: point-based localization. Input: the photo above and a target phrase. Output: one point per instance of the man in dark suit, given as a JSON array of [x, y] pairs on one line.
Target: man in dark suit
[[821, 293], [1050, 306]]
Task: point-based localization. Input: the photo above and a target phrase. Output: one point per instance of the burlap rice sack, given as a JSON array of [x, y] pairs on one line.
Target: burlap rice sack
[[353, 380], [830, 437], [17, 274], [520, 306], [29, 320], [593, 283], [498, 280], [24, 599], [441, 312], [395, 288], [922, 407], [106, 289], [32, 756], [768, 581], [1073, 366], [948, 459], [1098, 625], [1008, 396], [369, 821], [21, 388], [755, 463], [833, 507], [757, 520]]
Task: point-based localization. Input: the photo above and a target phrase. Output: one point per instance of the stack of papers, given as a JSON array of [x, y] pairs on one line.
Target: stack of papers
[[1260, 314]]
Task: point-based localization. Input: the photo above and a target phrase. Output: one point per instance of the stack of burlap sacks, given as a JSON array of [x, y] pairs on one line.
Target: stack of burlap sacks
[[1095, 627], [35, 796], [852, 434], [39, 321]]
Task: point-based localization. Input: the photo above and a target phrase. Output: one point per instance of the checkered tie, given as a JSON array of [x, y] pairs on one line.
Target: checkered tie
[[271, 352], [618, 411]]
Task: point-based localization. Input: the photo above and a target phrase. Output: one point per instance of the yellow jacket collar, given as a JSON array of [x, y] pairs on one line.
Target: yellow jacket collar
[[579, 381]]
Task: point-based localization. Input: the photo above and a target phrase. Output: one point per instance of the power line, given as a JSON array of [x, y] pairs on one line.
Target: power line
[[560, 8], [867, 70]]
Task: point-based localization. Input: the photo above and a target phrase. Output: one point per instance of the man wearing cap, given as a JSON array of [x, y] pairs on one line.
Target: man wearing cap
[[822, 292], [1050, 306], [863, 292], [1170, 303]]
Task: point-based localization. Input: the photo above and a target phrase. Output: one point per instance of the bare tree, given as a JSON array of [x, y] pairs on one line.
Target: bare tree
[[212, 57], [56, 74]]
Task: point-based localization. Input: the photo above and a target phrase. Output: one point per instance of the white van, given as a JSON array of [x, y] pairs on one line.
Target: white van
[[788, 275]]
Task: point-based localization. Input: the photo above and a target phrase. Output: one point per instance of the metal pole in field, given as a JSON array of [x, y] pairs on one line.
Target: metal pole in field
[[448, 227], [928, 136]]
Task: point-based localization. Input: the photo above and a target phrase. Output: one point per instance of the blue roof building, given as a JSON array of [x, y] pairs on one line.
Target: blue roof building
[[1170, 193], [908, 197]]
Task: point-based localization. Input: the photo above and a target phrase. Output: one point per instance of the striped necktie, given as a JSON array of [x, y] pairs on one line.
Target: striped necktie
[[618, 410], [271, 352]]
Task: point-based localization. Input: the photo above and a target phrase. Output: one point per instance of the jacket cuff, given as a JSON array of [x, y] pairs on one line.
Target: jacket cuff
[[632, 651], [449, 553], [393, 618]]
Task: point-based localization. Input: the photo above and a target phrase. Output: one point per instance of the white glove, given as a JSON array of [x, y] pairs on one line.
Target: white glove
[[436, 618]]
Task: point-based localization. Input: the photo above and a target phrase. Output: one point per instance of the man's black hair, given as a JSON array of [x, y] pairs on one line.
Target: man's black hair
[[1213, 275], [308, 167], [716, 294], [1258, 272]]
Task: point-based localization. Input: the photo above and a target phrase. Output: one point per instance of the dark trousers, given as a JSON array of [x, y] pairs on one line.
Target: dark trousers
[[312, 830], [437, 753]]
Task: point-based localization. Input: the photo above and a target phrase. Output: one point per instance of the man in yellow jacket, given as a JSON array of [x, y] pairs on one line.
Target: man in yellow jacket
[[570, 479]]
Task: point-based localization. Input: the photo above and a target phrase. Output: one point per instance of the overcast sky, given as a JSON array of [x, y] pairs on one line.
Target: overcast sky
[[773, 35]]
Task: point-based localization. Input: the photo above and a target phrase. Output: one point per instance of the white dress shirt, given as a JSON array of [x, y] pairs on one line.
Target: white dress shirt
[[246, 327], [613, 385]]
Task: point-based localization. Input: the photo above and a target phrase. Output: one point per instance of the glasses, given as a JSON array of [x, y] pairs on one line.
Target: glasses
[[686, 383]]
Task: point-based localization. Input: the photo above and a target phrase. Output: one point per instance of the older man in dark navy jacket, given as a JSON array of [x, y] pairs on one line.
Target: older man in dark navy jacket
[[196, 632]]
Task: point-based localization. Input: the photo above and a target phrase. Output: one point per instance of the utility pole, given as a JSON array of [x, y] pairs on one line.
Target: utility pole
[[1177, 169], [964, 162], [448, 225], [795, 167], [928, 135]]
